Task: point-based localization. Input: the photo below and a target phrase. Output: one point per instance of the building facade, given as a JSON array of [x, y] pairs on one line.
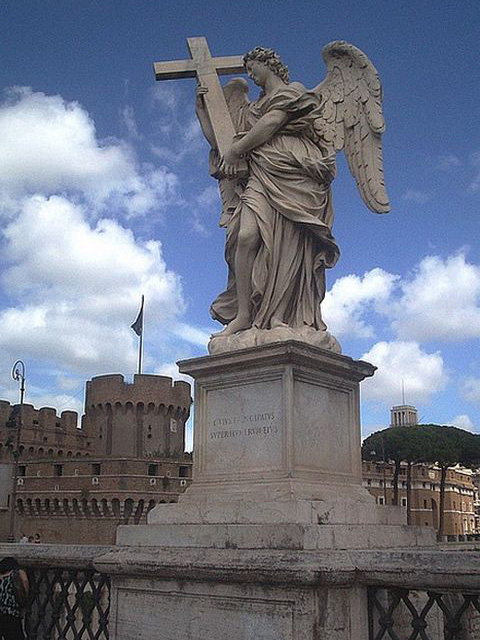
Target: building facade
[[461, 492], [77, 482], [460, 495]]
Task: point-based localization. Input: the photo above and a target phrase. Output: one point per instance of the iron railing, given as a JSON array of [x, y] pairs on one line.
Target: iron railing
[[407, 614], [67, 604]]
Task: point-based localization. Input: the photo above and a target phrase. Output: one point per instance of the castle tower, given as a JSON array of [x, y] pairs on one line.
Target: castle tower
[[145, 418]]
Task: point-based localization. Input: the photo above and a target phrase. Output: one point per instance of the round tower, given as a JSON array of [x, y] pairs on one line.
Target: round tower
[[143, 418]]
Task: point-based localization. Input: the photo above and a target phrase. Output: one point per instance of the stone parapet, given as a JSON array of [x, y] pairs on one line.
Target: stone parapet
[[273, 594]]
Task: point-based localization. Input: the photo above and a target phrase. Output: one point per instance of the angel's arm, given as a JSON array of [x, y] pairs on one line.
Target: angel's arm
[[202, 116], [261, 132]]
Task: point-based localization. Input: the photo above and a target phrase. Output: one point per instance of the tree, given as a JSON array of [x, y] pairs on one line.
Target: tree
[[448, 446], [445, 446], [397, 445]]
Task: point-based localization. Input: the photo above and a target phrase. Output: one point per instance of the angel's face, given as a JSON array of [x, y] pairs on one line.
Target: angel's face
[[258, 72]]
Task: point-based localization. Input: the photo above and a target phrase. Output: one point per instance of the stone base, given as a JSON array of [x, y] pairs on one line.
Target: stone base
[[334, 505], [257, 337], [277, 439], [275, 536]]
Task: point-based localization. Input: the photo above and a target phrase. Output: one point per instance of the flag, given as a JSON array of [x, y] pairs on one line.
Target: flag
[[137, 326]]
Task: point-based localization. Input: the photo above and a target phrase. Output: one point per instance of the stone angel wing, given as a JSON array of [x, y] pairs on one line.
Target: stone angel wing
[[352, 118], [236, 97]]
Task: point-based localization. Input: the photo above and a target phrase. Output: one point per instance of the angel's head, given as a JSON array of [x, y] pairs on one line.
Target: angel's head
[[270, 59]]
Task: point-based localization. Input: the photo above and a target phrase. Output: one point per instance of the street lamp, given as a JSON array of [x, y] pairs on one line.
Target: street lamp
[[18, 374]]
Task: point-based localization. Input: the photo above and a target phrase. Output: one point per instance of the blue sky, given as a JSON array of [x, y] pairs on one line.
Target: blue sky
[[105, 193]]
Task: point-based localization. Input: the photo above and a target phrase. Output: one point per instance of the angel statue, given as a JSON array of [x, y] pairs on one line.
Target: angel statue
[[275, 183]]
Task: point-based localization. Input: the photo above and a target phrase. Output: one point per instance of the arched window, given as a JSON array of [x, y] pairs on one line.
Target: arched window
[[138, 512]]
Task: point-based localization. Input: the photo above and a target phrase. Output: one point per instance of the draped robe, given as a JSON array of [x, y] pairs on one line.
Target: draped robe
[[288, 190]]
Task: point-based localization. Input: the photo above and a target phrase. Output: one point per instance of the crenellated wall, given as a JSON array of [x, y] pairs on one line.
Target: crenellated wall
[[145, 418], [44, 433], [77, 484]]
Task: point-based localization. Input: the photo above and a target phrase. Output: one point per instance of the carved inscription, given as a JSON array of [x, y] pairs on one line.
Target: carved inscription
[[253, 424]]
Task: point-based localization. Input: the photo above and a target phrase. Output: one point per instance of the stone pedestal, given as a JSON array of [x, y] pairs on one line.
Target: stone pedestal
[[277, 492], [276, 440]]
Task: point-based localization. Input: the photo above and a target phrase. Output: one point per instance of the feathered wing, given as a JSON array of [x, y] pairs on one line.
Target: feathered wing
[[352, 118], [236, 97]]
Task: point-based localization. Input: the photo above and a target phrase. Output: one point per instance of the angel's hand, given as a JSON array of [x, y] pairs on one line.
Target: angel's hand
[[230, 161], [199, 93]]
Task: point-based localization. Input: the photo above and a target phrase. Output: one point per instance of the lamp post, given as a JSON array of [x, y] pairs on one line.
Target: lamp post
[[18, 374]]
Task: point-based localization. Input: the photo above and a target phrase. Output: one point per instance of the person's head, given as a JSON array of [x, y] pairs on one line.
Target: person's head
[[270, 59], [30, 538], [8, 564]]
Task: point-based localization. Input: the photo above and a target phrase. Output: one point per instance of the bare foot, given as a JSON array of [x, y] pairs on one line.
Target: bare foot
[[238, 324], [276, 322]]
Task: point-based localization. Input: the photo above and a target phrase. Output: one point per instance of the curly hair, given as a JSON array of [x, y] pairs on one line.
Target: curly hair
[[271, 59]]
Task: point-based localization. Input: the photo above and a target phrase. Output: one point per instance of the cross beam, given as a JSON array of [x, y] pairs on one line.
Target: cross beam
[[206, 69]]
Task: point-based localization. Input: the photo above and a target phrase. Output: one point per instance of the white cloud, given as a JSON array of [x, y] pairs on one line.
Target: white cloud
[[50, 146], [170, 369], [441, 301], [462, 421], [470, 390], [449, 161], [76, 288], [127, 117], [475, 163], [353, 296], [176, 131], [416, 196], [191, 334], [423, 373], [206, 204]]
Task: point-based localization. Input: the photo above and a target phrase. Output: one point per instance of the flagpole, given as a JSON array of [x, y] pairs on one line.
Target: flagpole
[[140, 353], [140, 344]]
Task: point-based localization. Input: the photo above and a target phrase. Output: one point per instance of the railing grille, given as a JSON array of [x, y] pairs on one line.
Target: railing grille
[[403, 614], [67, 604]]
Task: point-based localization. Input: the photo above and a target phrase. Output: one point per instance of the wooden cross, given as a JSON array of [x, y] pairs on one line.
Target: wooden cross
[[206, 69]]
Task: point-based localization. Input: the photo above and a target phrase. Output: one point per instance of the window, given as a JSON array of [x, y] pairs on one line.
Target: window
[[152, 470], [173, 425], [369, 482], [22, 470], [380, 500], [58, 470], [183, 472], [96, 468], [404, 502], [425, 504]]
